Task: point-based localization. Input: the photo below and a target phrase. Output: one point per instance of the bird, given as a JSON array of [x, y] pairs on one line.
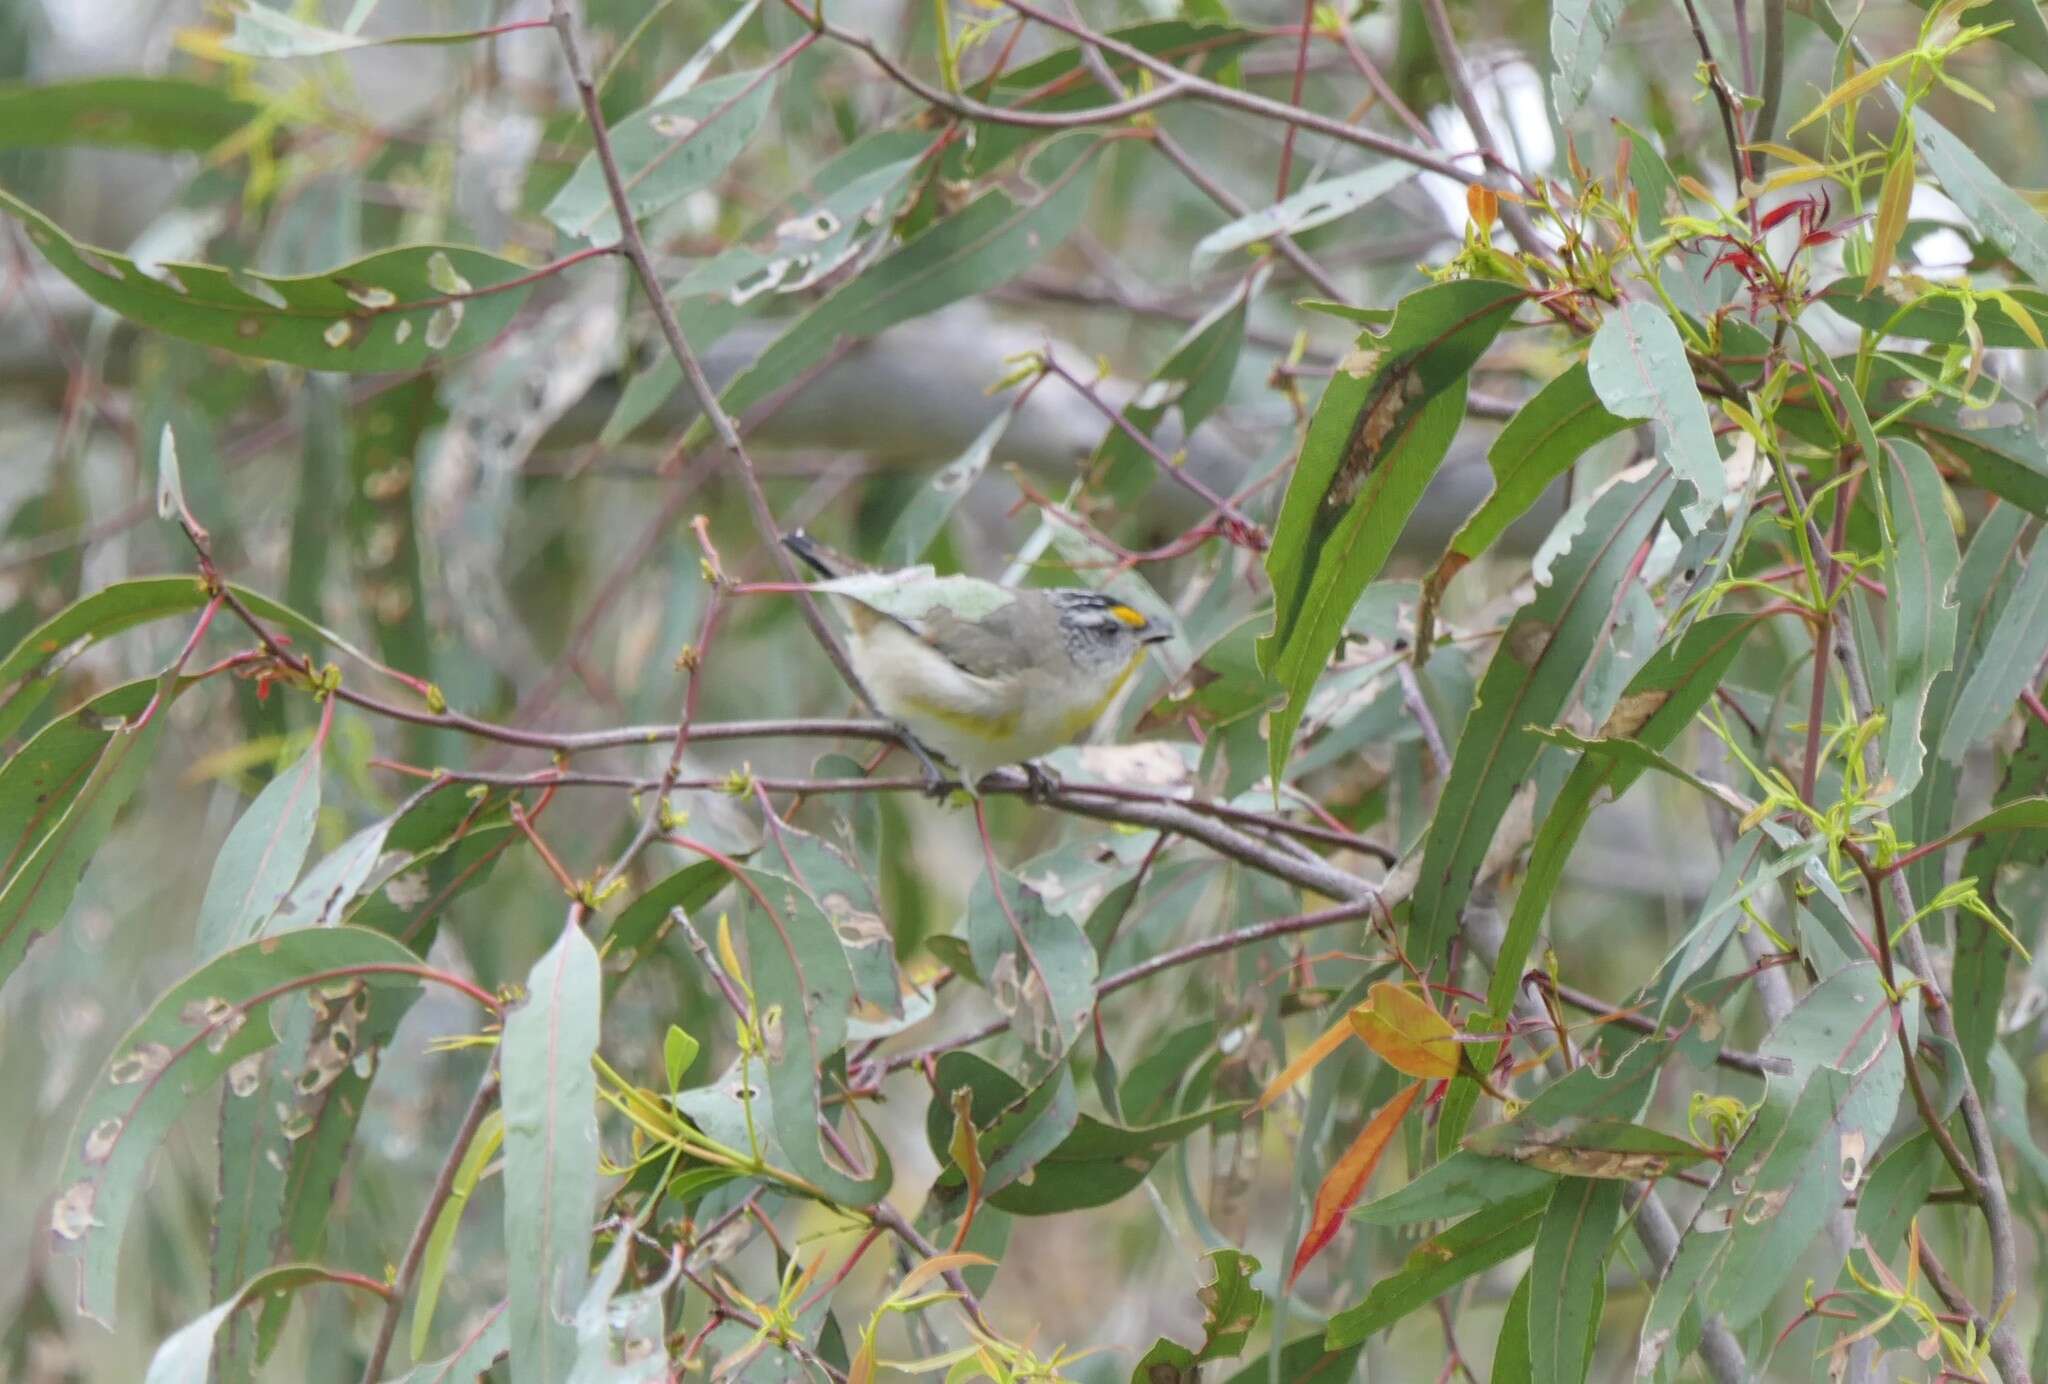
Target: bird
[[985, 675]]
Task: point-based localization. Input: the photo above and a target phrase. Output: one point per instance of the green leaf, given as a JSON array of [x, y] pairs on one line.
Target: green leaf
[[1934, 317], [167, 113], [186, 1356], [1383, 425], [41, 884], [1895, 1191], [551, 1154], [924, 518], [1919, 579], [1588, 1149], [1467, 1181], [1638, 368], [260, 858], [1539, 444], [1194, 380], [324, 895], [2005, 457], [621, 1338], [1579, 31], [803, 986], [2001, 215], [1040, 972], [487, 1342], [1996, 860], [1530, 680], [2011, 653], [32, 667], [1440, 1263], [1230, 1311], [1568, 1278], [263, 32], [1315, 205], [665, 152], [1089, 1163], [1304, 1360], [2020, 26], [643, 922], [1511, 1362], [215, 1023], [395, 310], [483, 1149], [983, 246], [678, 1054], [849, 901]]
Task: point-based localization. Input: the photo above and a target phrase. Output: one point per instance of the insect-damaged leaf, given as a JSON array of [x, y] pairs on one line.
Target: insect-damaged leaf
[[1345, 1182], [1039, 971], [1407, 1033], [1919, 576], [1639, 370], [551, 1154], [1230, 1310], [1381, 429], [1579, 31], [214, 1023], [1593, 1148], [394, 310], [1529, 681], [1546, 435]]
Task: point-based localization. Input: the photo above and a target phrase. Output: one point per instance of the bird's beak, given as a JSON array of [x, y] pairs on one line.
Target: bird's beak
[[1155, 633]]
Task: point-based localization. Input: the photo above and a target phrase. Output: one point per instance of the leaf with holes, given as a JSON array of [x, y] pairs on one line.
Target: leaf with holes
[[1230, 1311], [395, 310], [664, 153], [1920, 574], [1539, 444], [1381, 429], [215, 1023]]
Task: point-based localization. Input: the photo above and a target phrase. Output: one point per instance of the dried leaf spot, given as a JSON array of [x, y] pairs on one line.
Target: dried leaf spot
[[100, 1140], [1632, 713], [1369, 435], [442, 326], [1764, 1205], [1854, 1146], [246, 1075], [442, 275], [373, 298], [403, 332], [671, 126], [146, 1061], [101, 263], [72, 1216], [774, 1033], [297, 1127], [249, 327], [1360, 361], [339, 332], [1527, 640], [224, 1030]]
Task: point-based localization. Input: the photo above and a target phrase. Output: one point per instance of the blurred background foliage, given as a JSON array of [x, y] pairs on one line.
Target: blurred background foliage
[[511, 524]]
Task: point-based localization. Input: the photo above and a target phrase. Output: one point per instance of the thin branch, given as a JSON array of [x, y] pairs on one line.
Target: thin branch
[[416, 1248], [1453, 64], [1774, 78]]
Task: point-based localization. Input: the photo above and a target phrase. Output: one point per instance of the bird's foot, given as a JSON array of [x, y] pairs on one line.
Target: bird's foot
[[1040, 783], [937, 785]]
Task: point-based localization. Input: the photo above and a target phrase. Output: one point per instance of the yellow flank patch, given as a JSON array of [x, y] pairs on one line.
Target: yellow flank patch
[[1085, 717], [986, 727], [1125, 615]]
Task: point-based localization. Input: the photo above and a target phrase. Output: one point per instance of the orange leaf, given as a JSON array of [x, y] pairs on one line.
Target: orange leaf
[[1483, 205], [1333, 1038], [1346, 1180], [1406, 1032]]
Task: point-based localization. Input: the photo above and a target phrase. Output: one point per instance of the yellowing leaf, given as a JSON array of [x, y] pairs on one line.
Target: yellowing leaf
[[965, 1149], [1333, 1038], [1892, 201], [1345, 1182], [1406, 1032]]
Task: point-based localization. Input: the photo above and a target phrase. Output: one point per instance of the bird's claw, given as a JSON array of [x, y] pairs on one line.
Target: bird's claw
[[937, 786], [1040, 783]]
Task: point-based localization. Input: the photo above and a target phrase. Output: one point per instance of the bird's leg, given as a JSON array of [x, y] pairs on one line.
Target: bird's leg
[[1040, 783], [936, 785]]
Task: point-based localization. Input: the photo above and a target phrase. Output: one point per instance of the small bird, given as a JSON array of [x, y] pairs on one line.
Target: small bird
[[986, 675]]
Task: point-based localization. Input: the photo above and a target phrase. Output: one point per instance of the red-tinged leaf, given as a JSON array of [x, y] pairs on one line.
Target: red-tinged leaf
[[1333, 1038], [1408, 1034], [1778, 214], [1345, 1182]]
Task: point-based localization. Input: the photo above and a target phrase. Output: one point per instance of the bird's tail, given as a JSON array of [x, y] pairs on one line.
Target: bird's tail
[[818, 557]]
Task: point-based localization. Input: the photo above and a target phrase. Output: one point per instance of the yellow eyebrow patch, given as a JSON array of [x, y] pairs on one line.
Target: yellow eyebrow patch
[[1125, 615]]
